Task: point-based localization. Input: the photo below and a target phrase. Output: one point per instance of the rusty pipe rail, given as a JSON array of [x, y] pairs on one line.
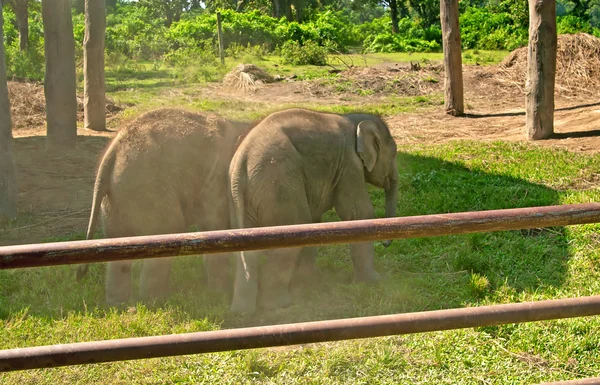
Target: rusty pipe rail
[[74, 252], [293, 334]]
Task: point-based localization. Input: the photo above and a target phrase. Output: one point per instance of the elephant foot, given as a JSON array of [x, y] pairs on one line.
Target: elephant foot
[[367, 276], [275, 299], [242, 307]]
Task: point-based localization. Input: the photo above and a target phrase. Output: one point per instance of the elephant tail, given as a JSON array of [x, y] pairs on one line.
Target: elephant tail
[[237, 203], [100, 191]]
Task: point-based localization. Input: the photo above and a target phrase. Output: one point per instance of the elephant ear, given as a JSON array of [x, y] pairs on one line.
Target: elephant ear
[[367, 143]]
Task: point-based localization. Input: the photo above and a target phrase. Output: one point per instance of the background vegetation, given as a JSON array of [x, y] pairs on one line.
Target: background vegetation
[[178, 32]]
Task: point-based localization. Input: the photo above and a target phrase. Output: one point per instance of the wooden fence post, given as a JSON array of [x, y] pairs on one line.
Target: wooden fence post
[[541, 69], [453, 78]]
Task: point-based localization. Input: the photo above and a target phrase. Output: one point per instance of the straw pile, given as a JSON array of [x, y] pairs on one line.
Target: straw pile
[[247, 77], [28, 105], [577, 65]]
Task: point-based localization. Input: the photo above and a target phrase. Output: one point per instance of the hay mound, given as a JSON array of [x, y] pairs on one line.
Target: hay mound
[[28, 105], [577, 65], [247, 77]]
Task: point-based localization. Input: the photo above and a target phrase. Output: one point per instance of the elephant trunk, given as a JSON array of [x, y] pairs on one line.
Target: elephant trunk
[[391, 197]]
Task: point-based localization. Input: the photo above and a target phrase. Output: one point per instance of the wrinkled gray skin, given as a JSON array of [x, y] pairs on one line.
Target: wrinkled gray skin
[[165, 173], [290, 169]]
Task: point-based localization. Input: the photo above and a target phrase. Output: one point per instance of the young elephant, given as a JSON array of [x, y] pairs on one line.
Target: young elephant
[[165, 172], [290, 169]]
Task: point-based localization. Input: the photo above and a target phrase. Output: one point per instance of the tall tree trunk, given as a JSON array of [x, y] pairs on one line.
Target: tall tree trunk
[[21, 9], [8, 175], [241, 5], [541, 69], [453, 79], [394, 15], [169, 21], [59, 83], [286, 8], [299, 8], [94, 101], [276, 9]]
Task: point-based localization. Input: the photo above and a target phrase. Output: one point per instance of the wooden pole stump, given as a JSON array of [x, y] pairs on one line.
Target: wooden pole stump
[[453, 79], [541, 69]]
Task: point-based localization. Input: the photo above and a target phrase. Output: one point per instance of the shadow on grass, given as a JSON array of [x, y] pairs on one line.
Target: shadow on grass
[[417, 274], [522, 113]]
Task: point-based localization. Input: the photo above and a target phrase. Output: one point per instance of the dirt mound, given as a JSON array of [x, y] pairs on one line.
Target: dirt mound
[[247, 77], [28, 105], [577, 65]]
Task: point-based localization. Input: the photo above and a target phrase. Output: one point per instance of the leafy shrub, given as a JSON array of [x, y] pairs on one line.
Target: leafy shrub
[[411, 36], [248, 53], [27, 64], [186, 57], [484, 29], [389, 42], [572, 24], [309, 52]]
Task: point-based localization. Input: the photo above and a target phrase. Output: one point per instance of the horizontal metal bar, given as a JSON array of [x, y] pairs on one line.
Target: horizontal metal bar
[[583, 381], [74, 252], [293, 334]]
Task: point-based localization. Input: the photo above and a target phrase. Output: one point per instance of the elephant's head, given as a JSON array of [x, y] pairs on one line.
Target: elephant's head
[[377, 150]]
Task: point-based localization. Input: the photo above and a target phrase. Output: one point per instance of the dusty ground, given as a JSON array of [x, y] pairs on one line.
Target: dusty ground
[[56, 189]]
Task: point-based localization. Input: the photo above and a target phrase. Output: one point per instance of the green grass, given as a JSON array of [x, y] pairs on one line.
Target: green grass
[[46, 305]]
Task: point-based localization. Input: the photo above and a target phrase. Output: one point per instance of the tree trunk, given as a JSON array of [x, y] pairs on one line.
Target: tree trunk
[[241, 5], [276, 9], [8, 175], [21, 9], [453, 78], [59, 83], [541, 69], [394, 15], [299, 8], [94, 102]]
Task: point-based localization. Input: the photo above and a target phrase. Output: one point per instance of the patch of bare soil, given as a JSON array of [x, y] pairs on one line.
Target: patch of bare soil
[[355, 84]]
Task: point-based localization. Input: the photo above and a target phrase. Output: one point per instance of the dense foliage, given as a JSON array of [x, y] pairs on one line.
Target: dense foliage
[[183, 31]]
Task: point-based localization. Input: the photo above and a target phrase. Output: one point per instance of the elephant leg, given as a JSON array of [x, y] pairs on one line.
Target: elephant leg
[[245, 291], [352, 203], [154, 279], [118, 282], [166, 219], [275, 278], [218, 268], [306, 271], [362, 259]]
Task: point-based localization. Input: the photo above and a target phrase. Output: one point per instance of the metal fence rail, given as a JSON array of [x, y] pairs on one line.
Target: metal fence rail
[[75, 252], [292, 334]]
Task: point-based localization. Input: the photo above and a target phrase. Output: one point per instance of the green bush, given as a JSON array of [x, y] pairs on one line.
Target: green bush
[[27, 64], [572, 24], [411, 36], [309, 52], [484, 29]]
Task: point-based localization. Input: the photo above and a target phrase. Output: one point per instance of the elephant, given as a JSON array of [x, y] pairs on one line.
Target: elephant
[[290, 169], [164, 173]]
